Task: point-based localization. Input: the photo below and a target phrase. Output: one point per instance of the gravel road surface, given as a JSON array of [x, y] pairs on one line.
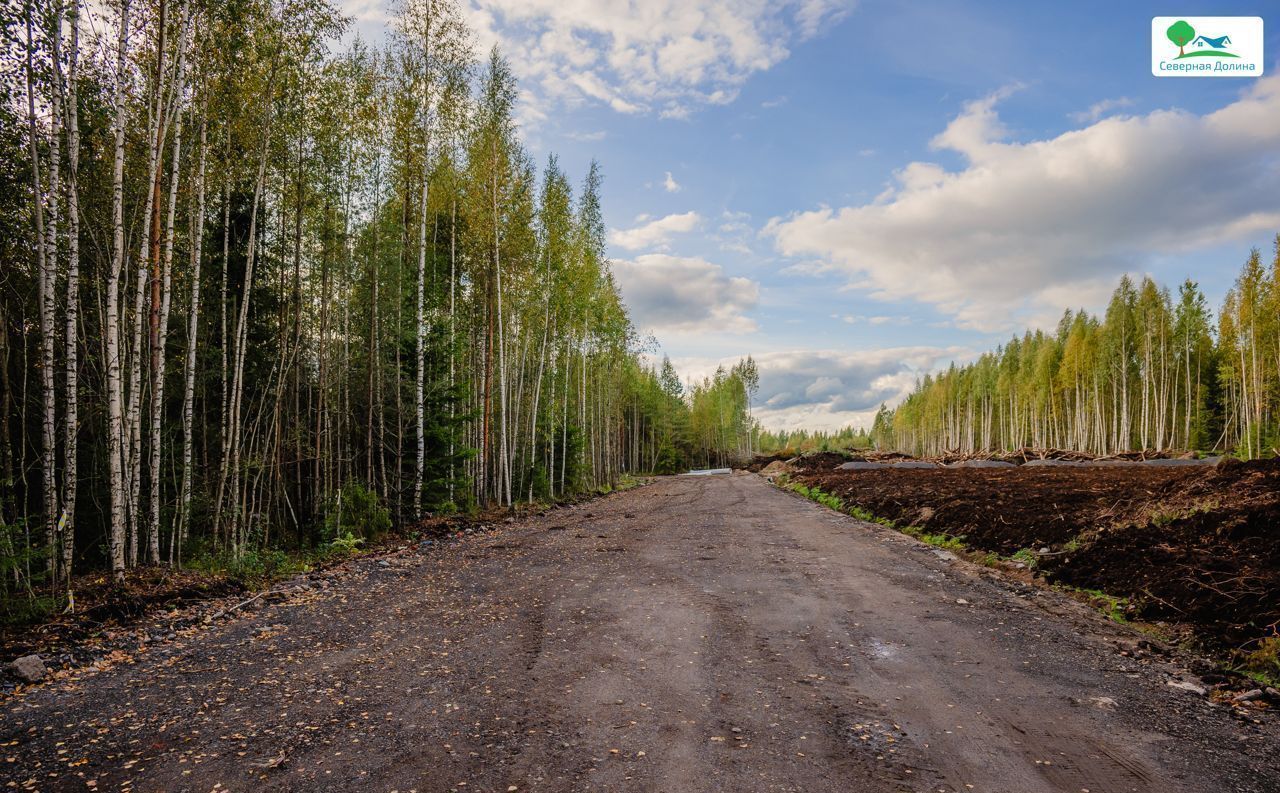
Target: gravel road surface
[[695, 634]]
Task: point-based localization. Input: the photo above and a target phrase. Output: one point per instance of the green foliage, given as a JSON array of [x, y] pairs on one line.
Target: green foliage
[[1153, 372], [825, 499], [251, 567], [1028, 557], [1263, 662], [346, 545], [28, 608], [356, 512], [944, 541], [720, 429], [796, 442], [24, 595], [1116, 608], [670, 461], [1181, 33]]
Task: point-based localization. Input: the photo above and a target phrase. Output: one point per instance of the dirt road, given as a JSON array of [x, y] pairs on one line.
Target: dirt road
[[696, 634]]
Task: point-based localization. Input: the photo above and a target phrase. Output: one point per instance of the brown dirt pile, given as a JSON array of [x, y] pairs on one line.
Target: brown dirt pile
[[1193, 545]]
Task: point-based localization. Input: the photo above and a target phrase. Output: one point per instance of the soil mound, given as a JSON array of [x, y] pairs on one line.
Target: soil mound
[[763, 461], [1204, 549], [820, 461], [999, 509], [1197, 544]]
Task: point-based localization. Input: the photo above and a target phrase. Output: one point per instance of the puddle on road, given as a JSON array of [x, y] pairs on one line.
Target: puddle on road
[[880, 649]]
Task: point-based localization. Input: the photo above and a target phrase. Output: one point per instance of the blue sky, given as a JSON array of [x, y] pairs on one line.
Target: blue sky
[[859, 192]]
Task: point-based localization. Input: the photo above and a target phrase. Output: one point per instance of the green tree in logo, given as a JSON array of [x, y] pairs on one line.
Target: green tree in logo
[[1180, 33]]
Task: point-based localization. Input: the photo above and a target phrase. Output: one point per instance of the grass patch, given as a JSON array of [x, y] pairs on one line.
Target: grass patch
[[1262, 664], [1027, 556], [1167, 517], [823, 498], [943, 541], [1116, 609]]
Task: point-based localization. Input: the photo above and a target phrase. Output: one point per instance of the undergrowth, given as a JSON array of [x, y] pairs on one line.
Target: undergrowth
[[1262, 664]]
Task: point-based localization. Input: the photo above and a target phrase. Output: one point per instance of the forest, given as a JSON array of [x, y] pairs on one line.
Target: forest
[[259, 290], [1157, 371]]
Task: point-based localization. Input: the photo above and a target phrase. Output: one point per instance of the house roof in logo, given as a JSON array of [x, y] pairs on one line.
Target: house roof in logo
[[1219, 43]]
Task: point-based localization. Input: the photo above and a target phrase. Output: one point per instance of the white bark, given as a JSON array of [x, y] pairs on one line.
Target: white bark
[[504, 472], [161, 331], [420, 407], [46, 261], [72, 421], [193, 336], [115, 417]]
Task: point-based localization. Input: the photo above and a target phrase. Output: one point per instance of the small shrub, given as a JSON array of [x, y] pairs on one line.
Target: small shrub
[[1116, 608], [1028, 557], [1263, 663], [670, 461], [355, 510], [346, 545]]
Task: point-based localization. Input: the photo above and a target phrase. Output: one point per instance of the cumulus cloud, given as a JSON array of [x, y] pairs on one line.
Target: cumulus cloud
[[637, 56], [684, 294], [670, 184], [655, 233], [829, 389], [1099, 109], [1024, 224]]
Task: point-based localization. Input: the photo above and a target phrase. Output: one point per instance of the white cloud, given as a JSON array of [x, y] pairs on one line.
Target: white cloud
[[734, 232], [1023, 225], [670, 184], [665, 56], [857, 319], [587, 137], [1099, 109], [685, 294], [655, 233], [830, 389]]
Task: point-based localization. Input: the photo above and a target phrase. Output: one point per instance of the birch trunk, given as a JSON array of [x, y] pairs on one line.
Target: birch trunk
[[115, 397], [420, 407], [71, 425], [193, 336], [504, 471], [160, 315], [46, 262]]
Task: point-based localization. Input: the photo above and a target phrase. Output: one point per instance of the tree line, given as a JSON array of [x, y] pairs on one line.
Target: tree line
[[249, 282], [1156, 371]]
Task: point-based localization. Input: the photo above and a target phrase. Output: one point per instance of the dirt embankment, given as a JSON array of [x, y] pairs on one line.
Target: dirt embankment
[[1195, 545]]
